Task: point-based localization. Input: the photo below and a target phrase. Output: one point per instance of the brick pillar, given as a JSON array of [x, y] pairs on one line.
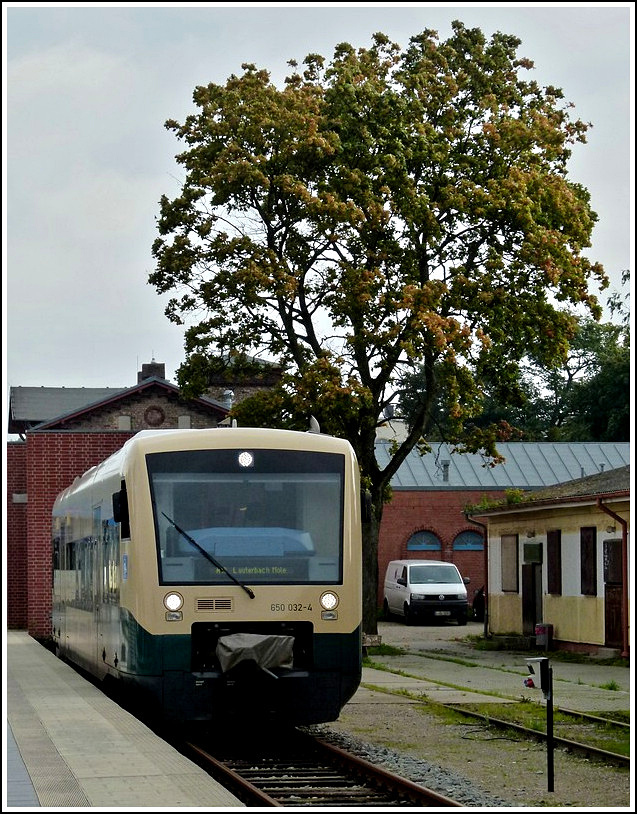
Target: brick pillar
[[16, 551], [54, 460]]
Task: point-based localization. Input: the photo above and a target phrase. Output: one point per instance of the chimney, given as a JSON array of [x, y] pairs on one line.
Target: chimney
[[152, 370]]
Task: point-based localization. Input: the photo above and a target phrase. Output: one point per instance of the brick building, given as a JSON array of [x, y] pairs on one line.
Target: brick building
[[426, 516], [16, 526], [65, 431]]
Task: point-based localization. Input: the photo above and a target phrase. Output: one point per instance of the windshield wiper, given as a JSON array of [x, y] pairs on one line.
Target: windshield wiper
[[208, 556]]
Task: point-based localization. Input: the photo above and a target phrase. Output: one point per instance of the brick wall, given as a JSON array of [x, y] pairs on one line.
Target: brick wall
[[53, 460], [50, 460], [439, 512], [16, 551], [137, 409]]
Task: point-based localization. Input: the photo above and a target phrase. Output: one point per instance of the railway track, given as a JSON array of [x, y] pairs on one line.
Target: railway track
[[299, 770], [581, 748]]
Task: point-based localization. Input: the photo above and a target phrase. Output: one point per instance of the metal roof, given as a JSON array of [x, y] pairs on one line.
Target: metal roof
[[37, 404], [528, 465]]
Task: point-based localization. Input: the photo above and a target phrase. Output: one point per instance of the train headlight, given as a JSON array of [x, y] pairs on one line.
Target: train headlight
[[173, 601], [329, 600], [246, 459]]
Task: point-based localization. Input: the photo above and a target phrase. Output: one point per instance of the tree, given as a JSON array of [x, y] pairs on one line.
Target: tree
[[592, 381], [384, 211], [586, 397], [601, 401]]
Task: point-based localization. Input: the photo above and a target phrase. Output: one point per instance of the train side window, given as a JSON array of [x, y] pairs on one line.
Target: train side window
[[120, 510]]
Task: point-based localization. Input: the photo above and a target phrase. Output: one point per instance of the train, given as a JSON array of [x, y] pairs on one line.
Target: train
[[215, 572]]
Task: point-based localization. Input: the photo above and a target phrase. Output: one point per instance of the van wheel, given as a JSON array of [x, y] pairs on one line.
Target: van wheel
[[386, 611], [409, 616], [462, 620]]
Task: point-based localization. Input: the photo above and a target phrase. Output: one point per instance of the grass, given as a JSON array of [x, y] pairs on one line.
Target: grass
[[532, 715], [383, 650], [501, 643]]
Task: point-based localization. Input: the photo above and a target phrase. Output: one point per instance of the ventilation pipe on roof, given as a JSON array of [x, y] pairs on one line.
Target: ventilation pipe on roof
[[228, 398]]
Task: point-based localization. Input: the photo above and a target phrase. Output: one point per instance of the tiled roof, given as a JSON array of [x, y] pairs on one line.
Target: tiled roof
[[604, 483], [607, 485], [528, 465], [37, 404], [39, 407]]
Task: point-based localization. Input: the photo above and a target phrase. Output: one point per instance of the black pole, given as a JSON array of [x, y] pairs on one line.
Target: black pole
[[549, 732]]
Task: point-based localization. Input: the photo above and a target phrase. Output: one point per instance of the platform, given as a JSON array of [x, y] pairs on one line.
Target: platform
[[68, 745]]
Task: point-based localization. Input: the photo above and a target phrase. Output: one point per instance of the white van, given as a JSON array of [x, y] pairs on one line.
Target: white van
[[427, 589]]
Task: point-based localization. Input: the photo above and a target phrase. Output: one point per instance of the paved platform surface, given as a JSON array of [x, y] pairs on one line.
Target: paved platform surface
[[66, 745], [442, 665]]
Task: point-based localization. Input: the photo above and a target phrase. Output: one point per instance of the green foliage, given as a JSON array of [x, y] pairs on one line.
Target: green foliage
[[485, 502], [514, 496], [585, 397], [385, 212], [382, 650]]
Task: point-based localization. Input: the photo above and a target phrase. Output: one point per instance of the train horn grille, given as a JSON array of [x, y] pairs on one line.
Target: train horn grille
[[215, 604]]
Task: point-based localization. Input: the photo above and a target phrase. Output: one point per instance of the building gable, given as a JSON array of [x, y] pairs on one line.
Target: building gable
[[153, 403]]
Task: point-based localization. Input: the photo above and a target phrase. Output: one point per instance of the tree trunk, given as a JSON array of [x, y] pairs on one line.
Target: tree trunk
[[370, 571]]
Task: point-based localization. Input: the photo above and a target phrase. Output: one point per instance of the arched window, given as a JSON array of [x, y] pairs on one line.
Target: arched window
[[424, 541], [468, 541]]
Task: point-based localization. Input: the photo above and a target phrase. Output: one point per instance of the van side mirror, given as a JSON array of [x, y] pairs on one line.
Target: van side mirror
[[466, 580], [401, 581]]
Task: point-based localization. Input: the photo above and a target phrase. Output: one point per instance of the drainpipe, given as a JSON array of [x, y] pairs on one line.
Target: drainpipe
[[486, 572], [624, 524]]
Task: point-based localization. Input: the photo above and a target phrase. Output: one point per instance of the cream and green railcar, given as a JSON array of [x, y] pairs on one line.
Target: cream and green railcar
[[218, 572]]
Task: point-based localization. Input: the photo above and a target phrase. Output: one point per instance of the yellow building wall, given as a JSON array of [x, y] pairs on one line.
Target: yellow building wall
[[574, 617], [505, 613]]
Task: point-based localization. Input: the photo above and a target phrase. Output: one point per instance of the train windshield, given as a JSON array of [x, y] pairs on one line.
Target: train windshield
[[258, 516]]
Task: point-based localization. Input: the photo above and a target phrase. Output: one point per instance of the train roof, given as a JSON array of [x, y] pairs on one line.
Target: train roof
[[230, 436], [146, 441]]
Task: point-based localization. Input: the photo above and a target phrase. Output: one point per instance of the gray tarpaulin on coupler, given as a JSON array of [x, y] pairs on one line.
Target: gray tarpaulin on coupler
[[265, 651]]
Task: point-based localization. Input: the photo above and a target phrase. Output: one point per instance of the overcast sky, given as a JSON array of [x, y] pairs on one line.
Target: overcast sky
[[88, 87]]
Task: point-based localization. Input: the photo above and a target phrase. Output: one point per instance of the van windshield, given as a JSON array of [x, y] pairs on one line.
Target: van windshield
[[424, 574]]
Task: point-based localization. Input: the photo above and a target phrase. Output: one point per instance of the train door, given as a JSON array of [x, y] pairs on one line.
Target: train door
[[96, 580], [108, 594], [60, 581], [613, 588]]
